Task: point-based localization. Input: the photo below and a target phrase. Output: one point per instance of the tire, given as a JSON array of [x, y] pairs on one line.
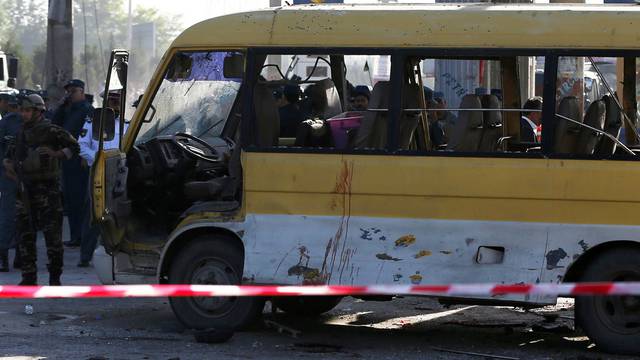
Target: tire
[[214, 260], [306, 306], [612, 322]]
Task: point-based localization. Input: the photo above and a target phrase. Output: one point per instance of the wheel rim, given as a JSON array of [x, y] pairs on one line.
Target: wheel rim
[[621, 314], [213, 271]]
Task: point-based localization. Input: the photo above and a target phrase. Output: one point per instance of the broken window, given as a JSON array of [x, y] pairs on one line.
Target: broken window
[[195, 96]]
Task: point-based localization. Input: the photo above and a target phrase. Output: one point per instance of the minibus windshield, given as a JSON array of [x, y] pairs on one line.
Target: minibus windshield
[[195, 96]]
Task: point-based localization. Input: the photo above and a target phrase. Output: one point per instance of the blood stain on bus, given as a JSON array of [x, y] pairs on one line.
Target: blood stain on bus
[[343, 186]]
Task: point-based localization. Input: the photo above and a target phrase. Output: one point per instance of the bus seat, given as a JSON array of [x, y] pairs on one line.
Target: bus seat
[[325, 99], [467, 131], [373, 128], [566, 133], [587, 139], [267, 116], [612, 124], [492, 123]]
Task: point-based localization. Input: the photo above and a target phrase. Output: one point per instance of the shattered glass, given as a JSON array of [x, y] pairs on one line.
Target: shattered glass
[[195, 99]]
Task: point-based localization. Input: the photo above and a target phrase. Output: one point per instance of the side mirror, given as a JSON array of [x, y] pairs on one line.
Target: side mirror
[[233, 66], [108, 117], [13, 67]]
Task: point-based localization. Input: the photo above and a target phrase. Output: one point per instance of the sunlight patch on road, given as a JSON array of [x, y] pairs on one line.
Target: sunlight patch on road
[[397, 323], [393, 323]]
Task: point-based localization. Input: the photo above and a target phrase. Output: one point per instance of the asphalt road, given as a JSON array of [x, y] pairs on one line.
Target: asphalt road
[[405, 328]]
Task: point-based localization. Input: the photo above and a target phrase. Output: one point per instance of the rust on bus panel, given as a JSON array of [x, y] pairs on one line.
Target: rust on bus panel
[[405, 241]]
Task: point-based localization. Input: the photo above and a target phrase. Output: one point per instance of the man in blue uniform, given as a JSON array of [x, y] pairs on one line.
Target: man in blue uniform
[[88, 149], [71, 116], [9, 126]]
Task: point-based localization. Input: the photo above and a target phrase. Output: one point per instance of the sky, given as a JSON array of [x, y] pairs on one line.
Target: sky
[[193, 11]]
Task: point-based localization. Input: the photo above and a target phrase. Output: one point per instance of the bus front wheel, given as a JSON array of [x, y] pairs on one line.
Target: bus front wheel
[[212, 261], [612, 322]]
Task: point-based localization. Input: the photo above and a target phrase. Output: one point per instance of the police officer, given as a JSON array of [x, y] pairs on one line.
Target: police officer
[[4, 104], [88, 149], [35, 165], [9, 126], [71, 116]]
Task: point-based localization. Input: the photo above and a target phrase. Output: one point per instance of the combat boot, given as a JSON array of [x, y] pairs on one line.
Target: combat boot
[[4, 261], [54, 279], [30, 279]]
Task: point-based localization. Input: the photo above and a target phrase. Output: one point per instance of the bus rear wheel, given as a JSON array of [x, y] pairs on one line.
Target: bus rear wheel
[[612, 322], [212, 261], [307, 305]]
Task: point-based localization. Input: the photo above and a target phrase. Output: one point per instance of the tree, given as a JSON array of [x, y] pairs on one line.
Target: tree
[[23, 28], [106, 28]]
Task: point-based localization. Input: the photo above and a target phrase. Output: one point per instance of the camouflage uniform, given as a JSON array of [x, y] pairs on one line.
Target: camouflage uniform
[[39, 202]]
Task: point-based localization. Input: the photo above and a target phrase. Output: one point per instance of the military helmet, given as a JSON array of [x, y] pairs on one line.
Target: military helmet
[[33, 101]]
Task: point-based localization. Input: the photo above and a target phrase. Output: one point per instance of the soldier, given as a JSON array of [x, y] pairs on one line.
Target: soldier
[[71, 116], [35, 165], [88, 149], [9, 126]]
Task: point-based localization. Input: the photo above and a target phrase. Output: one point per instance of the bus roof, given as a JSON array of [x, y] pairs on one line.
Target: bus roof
[[460, 25]]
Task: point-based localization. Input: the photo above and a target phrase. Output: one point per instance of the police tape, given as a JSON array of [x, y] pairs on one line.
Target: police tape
[[133, 291]]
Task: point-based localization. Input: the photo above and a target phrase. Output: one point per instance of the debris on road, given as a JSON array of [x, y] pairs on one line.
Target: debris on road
[[282, 328], [28, 309], [318, 348], [474, 354]]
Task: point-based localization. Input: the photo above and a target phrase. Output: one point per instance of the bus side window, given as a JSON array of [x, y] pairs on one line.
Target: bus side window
[[309, 107], [590, 113]]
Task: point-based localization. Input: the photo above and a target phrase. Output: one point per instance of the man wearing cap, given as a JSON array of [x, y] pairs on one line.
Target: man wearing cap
[[9, 126], [88, 149], [289, 110], [71, 116], [35, 165], [360, 97]]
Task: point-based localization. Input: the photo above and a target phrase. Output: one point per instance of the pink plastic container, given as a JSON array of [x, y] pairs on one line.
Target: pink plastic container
[[341, 124]]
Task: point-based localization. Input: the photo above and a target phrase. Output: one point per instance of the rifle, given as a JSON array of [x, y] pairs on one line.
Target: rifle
[[18, 154]]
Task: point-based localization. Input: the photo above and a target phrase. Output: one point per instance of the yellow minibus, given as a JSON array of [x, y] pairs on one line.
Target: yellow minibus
[[383, 144]]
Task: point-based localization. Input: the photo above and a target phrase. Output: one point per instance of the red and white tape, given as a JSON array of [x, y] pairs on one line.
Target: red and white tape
[[122, 291]]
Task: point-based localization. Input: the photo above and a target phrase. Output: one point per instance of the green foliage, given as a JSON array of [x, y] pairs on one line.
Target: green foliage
[[23, 29], [23, 26], [107, 29]]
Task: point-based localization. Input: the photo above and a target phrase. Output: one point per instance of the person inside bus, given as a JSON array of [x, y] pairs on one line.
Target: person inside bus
[[530, 120], [446, 118], [360, 98], [290, 113]]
